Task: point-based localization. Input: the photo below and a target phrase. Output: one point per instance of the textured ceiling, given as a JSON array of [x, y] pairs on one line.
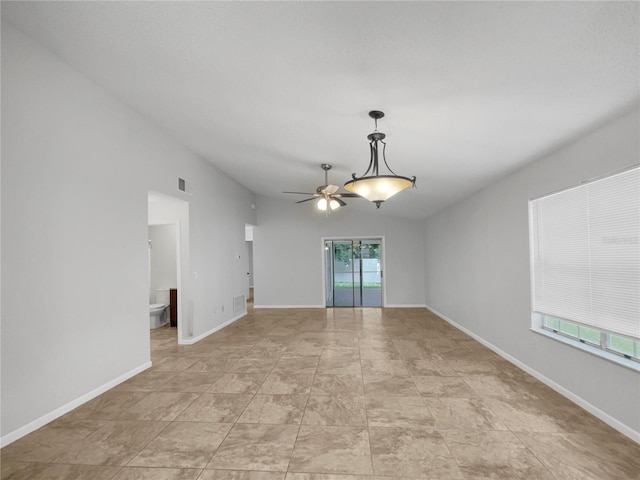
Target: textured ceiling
[[267, 91]]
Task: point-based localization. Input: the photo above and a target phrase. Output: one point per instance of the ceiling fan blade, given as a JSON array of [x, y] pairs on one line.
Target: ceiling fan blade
[[342, 204], [331, 189], [347, 195], [301, 193], [306, 200]]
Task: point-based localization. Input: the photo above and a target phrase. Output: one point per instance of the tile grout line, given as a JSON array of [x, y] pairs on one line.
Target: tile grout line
[[366, 410]]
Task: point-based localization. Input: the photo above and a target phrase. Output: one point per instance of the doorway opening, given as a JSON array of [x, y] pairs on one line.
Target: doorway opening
[[168, 223], [353, 272], [248, 237]]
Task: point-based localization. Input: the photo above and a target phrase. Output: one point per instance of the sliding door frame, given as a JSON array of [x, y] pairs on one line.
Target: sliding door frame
[[346, 238]]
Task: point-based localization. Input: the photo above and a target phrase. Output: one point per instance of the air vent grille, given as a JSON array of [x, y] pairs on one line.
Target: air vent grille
[[184, 186], [239, 304]]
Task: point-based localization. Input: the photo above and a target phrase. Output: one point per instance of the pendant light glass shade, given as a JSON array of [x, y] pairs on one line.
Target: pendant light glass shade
[[378, 188], [375, 187]]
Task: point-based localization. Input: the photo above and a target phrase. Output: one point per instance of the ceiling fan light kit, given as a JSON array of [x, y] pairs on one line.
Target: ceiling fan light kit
[[371, 185], [323, 204]]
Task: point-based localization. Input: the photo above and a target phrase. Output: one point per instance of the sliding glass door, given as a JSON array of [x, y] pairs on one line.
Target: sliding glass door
[[353, 272]]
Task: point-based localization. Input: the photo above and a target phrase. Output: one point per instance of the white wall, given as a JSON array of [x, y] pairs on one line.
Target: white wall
[[288, 251], [77, 166], [163, 272], [477, 269]]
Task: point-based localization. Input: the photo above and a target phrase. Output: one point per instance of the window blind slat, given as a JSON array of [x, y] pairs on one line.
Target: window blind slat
[[586, 254]]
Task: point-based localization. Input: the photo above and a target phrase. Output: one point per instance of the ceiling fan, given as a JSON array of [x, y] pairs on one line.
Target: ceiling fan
[[327, 195]]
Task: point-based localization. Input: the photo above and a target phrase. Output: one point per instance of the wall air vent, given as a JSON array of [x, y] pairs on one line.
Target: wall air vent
[[239, 304], [184, 186]]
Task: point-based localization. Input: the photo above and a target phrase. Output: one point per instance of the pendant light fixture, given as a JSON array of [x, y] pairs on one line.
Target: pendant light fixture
[[371, 185]]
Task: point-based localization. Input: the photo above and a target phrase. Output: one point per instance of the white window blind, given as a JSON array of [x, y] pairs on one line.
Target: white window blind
[[586, 253]]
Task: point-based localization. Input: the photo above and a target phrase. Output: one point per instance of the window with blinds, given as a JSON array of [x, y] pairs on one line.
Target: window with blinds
[[585, 258]]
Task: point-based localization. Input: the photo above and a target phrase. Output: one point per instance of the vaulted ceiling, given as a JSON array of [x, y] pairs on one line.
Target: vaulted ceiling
[[267, 91]]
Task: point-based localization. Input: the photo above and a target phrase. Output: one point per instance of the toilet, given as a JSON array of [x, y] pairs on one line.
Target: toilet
[[158, 311]]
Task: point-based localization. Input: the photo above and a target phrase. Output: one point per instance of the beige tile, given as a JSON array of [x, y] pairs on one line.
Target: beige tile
[[462, 413], [182, 445], [240, 475], [413, 348], [297, 365], [328, 476], [338, 385], [412, 452], [174, 363], [146, 473], [275, 409], [256, 447], [335, 410], [337, 353], [196, 382], [215, 408], [253, 365], [269, 352], [472, 366], [159, 406], [438, 386], [389, 385], [429, 367], [47, 444], [494, 455], [284, 384], [538, 415], [45, 471], [106, 406], [340, 362], [210, 364], [238, 383], [502, 386], [398, 412], [336, 367], [147, 381], [382, 348], [383, 366], [332, 450], [304, 348], [585, 457], [115, 443]]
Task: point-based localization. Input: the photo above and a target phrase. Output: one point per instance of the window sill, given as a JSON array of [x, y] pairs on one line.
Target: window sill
[[612, 357]]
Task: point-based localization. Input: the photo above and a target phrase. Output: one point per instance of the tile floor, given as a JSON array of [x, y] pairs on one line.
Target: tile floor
[[326, 395]]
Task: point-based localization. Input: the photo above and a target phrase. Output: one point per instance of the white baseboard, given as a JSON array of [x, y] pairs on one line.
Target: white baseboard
[[605, 417], [405, 305], [191, 341], [289, 306], [58, 412]]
